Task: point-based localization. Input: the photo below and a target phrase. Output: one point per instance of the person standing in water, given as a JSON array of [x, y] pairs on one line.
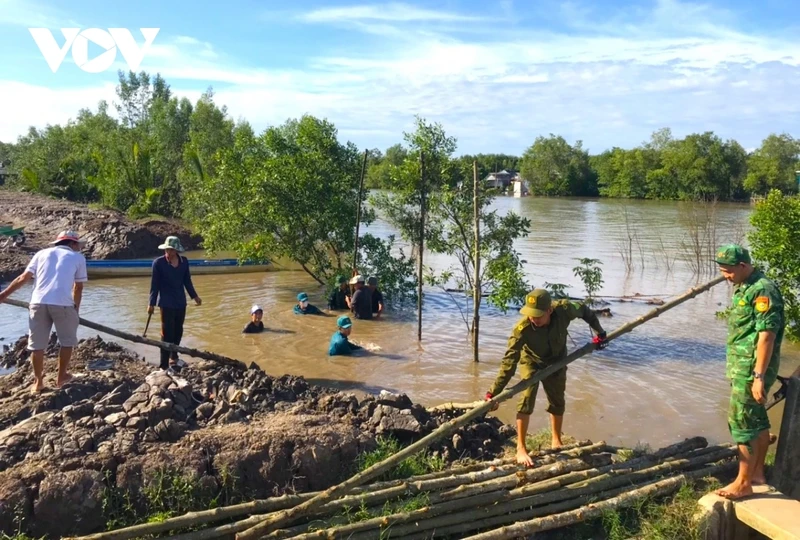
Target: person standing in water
[[169, 279]]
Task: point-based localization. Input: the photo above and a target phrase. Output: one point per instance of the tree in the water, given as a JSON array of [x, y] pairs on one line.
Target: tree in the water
[[775, 243], [290, 193], [452, 222]]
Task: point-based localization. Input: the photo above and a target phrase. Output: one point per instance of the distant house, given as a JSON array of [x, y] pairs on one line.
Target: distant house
[[502, 179]]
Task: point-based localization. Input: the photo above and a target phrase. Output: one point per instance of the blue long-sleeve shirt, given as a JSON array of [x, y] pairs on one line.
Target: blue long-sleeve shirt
[[167, 283], [341, 345]]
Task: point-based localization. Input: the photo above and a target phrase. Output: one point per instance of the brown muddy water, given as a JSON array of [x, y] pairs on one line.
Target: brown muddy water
[[663, 382]]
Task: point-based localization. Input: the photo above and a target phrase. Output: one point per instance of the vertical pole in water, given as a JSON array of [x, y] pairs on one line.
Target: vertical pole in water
[[358, 212], [422, 188], [476, 288]]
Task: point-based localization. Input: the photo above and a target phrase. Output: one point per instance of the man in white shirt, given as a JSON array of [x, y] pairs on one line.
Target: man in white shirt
[[59, 273]]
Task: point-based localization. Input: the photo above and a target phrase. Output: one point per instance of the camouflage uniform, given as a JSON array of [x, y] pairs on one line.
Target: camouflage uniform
[[535, 348], [757, 306]]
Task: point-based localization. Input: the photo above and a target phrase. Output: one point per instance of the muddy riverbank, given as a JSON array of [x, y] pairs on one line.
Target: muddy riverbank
[[120, 426], [109, 234]]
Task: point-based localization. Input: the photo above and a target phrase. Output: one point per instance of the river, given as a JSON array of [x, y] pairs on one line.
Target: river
[[659, 384]]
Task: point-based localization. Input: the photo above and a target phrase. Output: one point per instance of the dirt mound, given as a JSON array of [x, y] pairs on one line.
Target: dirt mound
[[119, 423], [109, 234]]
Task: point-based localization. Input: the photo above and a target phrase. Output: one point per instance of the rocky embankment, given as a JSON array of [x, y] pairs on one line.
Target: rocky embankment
[[119, 424], [109, 234]]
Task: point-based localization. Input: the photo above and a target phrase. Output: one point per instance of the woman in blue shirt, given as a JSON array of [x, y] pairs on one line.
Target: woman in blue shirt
[[170, 278]]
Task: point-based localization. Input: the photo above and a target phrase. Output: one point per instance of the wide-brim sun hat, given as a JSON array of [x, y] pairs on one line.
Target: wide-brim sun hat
[[72, 236], [172, 242]]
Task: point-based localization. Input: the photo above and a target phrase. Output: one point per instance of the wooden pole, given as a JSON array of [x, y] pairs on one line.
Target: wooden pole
[[307, 507], [422, 189], [476, 293], [145, 341], [358, 212], [785, 475]]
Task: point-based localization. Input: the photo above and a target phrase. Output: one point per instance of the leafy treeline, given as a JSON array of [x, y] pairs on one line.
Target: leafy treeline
[[697, 167]]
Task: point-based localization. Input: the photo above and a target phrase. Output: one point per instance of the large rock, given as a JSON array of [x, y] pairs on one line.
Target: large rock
[[69, 503]]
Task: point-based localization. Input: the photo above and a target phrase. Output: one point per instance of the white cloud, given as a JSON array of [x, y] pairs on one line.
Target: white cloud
[[682, 65], [395, 12]]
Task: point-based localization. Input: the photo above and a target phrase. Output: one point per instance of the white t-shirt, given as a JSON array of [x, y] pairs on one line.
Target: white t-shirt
[[55, 270]]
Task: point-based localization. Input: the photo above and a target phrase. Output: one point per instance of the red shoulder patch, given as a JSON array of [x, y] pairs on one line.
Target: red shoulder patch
[[762, 304]]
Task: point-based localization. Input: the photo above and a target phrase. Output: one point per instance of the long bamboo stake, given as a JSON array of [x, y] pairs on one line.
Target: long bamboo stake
[[340, 489], [145, 341], [358, 212], [655, 489], [502, 502], [422, 188], [476, 281]]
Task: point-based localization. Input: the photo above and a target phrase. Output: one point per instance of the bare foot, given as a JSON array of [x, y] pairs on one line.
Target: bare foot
[[758, 480], [63, 380], [555, 444], [735, 490], [37, 387], [523, 458]]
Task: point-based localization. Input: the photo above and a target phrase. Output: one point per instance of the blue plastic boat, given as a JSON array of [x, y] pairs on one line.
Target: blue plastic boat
[[142, 267]]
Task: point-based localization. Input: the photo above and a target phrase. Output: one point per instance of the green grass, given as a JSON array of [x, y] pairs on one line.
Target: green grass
[[421, 463], [639, 450], [168, 494]]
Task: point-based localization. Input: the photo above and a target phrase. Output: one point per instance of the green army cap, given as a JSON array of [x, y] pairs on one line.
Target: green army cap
[[537, 302], [341, 279], [732, 254]]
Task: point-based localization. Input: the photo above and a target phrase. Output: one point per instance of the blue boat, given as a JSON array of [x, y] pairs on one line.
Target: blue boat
[[142, 267]]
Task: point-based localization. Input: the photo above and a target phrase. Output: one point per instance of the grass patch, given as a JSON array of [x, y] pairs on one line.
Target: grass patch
[[421, 463], [168, 494], [639, 450]]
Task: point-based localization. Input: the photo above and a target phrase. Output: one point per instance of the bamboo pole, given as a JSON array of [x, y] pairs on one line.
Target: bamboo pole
[[146, 341], [629, 498], [307, 507], [498, 503], [422, 189], [358, 212], [476, 288]]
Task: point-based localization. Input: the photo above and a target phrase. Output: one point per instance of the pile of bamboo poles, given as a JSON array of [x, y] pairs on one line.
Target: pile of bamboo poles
[[564, 487]]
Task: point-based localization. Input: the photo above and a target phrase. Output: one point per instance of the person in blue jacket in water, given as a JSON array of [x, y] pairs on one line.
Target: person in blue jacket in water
[[302, 307], [340, 345]]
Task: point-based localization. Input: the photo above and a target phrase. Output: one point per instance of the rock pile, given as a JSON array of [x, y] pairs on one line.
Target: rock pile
[[120, 422]]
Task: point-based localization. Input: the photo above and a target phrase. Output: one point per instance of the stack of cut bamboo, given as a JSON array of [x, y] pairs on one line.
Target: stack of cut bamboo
[[564, 487]]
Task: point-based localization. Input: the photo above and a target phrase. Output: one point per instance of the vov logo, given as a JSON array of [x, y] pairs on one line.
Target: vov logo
[[78, 40]]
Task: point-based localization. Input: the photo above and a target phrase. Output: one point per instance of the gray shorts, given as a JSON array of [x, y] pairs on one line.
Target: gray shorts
[[42, 317]]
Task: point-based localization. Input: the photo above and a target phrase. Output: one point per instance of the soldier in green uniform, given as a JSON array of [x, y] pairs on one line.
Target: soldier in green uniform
[[755, 332], [539, 340]]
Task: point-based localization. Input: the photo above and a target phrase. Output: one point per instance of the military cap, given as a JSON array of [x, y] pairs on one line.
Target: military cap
[[732, 254], [537, 302], [372, 280], [341, 279], [302, 297], [344, 322]]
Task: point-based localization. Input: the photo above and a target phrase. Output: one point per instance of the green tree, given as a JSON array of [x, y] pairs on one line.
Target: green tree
[[773, 165], [451, 232], [775, 242], [290, 193], [623, 173], [552, 167]]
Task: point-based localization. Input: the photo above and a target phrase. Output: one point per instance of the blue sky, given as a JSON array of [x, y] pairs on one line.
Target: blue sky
[[496, 74]]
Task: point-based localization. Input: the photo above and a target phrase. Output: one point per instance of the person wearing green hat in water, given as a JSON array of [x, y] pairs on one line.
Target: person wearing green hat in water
[[339, 342], [340, 298], [302, 307], [538, 341], [755, 330]]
